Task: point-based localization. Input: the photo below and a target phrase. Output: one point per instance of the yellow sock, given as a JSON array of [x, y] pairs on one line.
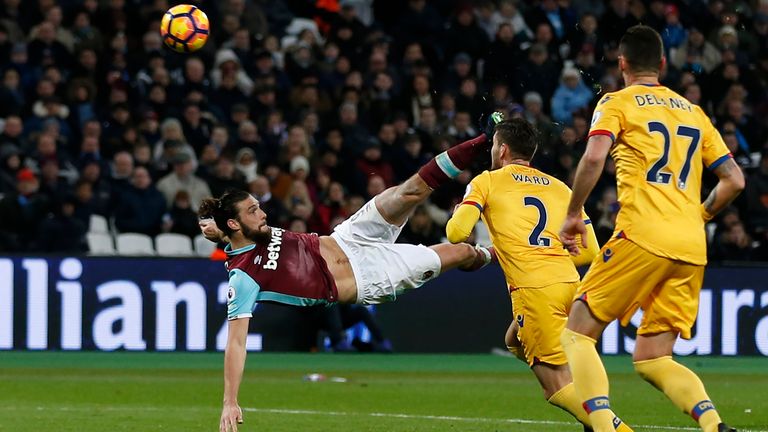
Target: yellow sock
[[589, 379], [566, 399], [682, 387]]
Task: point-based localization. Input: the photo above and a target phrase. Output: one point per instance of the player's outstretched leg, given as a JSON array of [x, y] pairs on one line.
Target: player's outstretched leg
[[653, 361], [397, 203], [463, 256]]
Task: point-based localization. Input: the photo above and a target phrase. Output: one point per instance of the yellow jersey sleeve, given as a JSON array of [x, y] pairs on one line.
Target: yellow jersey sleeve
[[607, 117], [462, 222]]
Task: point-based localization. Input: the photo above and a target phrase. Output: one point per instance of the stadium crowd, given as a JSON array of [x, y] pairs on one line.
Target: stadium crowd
[[316, 106]]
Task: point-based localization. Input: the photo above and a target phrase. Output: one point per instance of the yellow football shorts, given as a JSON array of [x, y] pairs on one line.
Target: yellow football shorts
[[625, 277], [541, 314]]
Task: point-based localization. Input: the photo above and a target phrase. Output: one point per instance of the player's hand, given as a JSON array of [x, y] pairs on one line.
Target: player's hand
[[210, 230], [231, 416], [573, 227], [489, 128]]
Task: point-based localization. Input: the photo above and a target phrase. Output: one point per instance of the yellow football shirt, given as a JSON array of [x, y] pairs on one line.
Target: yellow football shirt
[[523, 209], [661, 144]]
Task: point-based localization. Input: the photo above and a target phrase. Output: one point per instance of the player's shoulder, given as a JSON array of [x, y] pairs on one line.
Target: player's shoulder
[[614, 98]]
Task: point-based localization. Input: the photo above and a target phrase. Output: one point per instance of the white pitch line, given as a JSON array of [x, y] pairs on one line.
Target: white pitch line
[[453, 418]]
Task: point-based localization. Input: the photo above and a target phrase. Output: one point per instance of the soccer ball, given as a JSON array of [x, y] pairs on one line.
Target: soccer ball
[[184, 28]]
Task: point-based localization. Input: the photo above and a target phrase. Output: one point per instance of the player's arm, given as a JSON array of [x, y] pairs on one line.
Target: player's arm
[[587, 173], [241, 300], [586, 255], [729, 186], [234, 364], [467, 213]]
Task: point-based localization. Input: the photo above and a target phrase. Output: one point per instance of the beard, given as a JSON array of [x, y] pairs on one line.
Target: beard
[[258, 236]]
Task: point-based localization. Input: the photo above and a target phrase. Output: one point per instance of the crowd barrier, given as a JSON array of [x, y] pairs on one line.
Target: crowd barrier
[[164, 304]]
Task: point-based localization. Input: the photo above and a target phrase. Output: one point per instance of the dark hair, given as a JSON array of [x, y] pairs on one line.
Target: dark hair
[[520, 136], [222, 209], [642, 49]]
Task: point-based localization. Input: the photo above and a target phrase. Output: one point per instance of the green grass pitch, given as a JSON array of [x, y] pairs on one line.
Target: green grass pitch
[[54, 391]]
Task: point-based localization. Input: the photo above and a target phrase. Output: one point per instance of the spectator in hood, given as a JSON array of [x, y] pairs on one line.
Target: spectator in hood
[[572, 95], [22, 213], [141, 206]]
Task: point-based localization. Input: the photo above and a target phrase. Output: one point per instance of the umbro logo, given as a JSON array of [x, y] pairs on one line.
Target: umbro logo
[[257, 260], [520, 320]]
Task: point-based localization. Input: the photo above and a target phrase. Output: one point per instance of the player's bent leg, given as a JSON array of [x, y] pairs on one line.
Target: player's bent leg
[[398, 202], [653, 362], [588, 372]]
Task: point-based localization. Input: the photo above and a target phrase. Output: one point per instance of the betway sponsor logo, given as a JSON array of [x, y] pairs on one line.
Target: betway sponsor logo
[[273, 249]]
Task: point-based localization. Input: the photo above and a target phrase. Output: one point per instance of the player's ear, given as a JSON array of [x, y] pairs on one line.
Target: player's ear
[[663, 63], [233, 224]]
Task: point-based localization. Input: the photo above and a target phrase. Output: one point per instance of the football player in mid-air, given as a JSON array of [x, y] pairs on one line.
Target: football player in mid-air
[[656, 258], [522, 208], [358, 263]]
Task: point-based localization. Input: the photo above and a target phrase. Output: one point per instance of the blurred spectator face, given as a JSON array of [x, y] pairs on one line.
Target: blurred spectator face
[[343, 66], [413, 147], [377, 62], [46, 33], [401, 126], [544, 34], [45, 88], [372, 153], [50, 171], [157, 95], [354, 80], [376, 185], [192, 114], [83, 192], [82, 21], [348, 114], [91, 172], [538, 54], [735, 109], [469, 88], [568, 136], [297, 137], [220, 136], [183, 169], [383, 82], [311, 123], [507, 9], [260, 186], [465, 17], [122, 165], [13, 126], [580, 125], [54, 16], [89, 145], [505, 33], [11, 79], [171, 130], [588, 23], [620, 7], [387, 134], [355, 203], [334, 140], [731, 71], [242, 39], [225, 168], [181, 200], [420, 85], [693, 93], [428, 120], [413, 53], [194, 70], [142, 154], [336, 192], [331, 52], [247, 132], [141, 179], [462, 121], [92, 128], [46, 145], [729, 136]]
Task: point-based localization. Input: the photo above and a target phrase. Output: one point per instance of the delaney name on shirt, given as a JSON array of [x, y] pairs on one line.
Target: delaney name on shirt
[[647, 100]]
